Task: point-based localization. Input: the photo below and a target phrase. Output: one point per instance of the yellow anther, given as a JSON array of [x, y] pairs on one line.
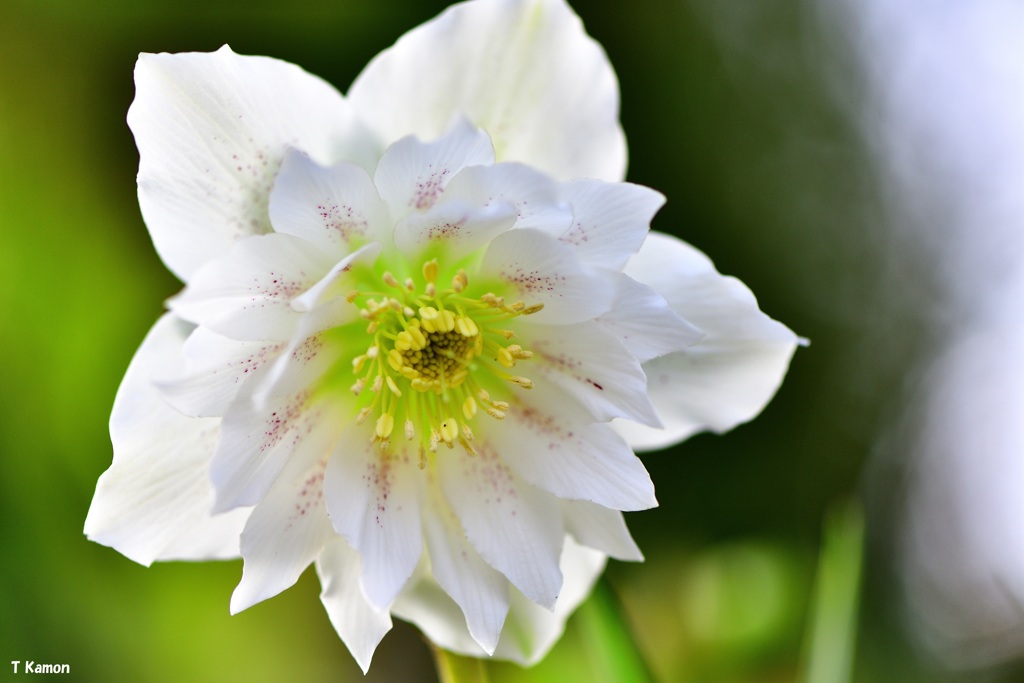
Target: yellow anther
[[361, 417], [408, 312], [431, 290], [445, 321], [460, 281], [507, 334], [385, 424], [358, 362], [449, 430], [418, 337], [430, 270], [466, 326], [469, 407], [395, 360], [372, 327], [493, 300], [423, 457], [358, 387], [521, 381], [530, 310], [403, 342], [500, 405], [372, 352], [468, 446], [467, 432], [484, 396], [409, 373], [377, 385], [352, 296], [410, 286], [518, 306], [390, 280], [410, 432], [393, 387], [505, 357], [429, 317], [494, 412], [519, 353], [435, 440]]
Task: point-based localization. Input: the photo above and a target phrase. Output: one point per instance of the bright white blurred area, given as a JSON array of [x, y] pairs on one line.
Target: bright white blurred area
[[944, 112]]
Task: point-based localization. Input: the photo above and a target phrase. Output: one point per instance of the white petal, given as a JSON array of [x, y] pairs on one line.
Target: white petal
[[732, 372], [543, 271], [216, 368], [360, 625], [212, 129], [260, 433], [154, 502], [479, 590], [326, 297], [456, 226], [248, 292], [374, 503], [412, 174], [335, 208], [284, 534], [515, 528], [570, 457], [526, 72], [644, 322], [610, 220], [598, 527], [592, 366], [537, 199], [529, 631]]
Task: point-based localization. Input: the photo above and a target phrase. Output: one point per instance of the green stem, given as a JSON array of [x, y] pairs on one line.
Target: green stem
[[453, 668], [832, 629]]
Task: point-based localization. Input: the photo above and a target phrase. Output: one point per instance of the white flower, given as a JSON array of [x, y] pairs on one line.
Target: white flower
[[411, 316]]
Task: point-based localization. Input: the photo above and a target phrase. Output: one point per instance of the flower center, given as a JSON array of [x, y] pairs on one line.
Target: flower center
[[434, 353]]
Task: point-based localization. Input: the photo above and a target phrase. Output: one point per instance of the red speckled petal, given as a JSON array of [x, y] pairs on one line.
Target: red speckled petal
[[284, 534], [374, 503]]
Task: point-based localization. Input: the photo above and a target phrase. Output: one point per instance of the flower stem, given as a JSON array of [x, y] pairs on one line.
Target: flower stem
[[453, 668]]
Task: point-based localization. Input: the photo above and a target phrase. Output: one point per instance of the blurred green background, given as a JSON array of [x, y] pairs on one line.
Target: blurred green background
[[742, 113]]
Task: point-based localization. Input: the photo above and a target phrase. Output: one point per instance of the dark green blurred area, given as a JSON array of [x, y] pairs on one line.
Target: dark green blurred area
[[740, 112]]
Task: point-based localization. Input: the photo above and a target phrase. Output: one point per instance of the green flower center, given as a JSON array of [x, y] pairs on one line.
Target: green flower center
[[432, 356]]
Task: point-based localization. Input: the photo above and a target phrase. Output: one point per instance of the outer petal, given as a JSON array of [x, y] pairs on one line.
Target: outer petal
[[728, 376], [285, 533], [248, 292], [335, 208], [211, 131], [154, 502], [529, 630], [480, 591], [515, 528], [360, 624], [374, 503], [563, 453], [524, 70]]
